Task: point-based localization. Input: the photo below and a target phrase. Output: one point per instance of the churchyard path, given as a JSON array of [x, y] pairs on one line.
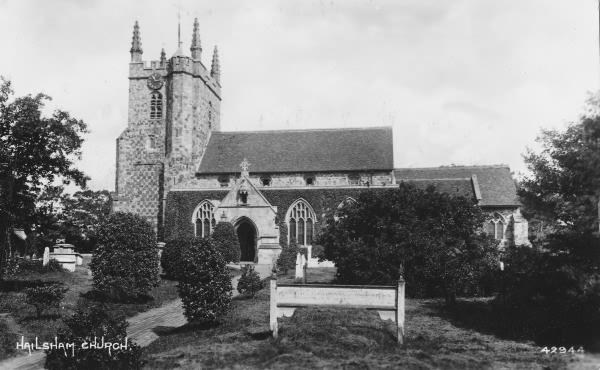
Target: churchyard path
[[143, 329]]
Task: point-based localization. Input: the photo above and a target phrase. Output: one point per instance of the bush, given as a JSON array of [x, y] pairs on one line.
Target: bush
[[318, 252], [10, 268], [226, 241], [125, 261], [205, 283], [249, 282], [288, 256], [53, 266], [432, 235], [86, 325], [549, 296], [171, 255], [33, 266], [45, 297]]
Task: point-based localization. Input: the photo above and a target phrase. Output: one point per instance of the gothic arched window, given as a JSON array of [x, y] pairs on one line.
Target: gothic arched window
[[301, 220], [204, 219], [495, 227], [155, 105]]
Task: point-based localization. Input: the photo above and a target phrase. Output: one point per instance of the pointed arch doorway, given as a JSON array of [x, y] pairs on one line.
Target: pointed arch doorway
[[247, 237]]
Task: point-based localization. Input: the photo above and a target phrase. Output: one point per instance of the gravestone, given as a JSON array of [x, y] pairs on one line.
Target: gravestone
[[46, 256], [299, 266]]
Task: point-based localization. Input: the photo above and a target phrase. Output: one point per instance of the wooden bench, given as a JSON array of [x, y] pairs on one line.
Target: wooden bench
[[388, 301]]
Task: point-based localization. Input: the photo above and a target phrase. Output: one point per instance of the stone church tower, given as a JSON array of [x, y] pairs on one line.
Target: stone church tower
[[174, 105]]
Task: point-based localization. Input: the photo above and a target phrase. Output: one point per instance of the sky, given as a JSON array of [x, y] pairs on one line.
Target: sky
[[464, 82]]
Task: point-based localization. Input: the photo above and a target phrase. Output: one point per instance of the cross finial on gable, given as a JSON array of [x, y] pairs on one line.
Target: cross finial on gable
[[245, 164]]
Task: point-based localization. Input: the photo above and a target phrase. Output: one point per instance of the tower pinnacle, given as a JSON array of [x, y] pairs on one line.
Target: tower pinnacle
[[196, 48], [215, 70], [136, 44], [163, 58]]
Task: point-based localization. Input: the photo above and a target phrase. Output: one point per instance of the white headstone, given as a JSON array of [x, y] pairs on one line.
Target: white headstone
[[46, 256], [298, 266]]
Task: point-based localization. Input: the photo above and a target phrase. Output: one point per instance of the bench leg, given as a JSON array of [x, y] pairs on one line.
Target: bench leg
[[273, 315]]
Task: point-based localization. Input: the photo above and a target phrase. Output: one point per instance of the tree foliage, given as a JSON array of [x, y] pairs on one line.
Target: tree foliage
[[288, 256], [73, 217], [125, 262], [563, 188], [204, 283], [432, 234], [552, 292], [225, 239], [34, 150], [86, 325], [171, 257]]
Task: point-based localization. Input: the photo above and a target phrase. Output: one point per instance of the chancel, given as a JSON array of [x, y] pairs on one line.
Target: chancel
[[179, 170]]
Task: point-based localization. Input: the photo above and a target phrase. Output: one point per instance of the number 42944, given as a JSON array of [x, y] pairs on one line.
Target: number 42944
[[561, 350]]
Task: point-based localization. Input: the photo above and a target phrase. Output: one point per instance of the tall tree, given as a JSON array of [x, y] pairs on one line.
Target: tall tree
[[73, 217], [563, 188], [34, 150]]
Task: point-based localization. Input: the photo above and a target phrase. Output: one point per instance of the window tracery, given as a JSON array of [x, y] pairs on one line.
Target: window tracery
[[204, 219], [496, 227], [301, 220]]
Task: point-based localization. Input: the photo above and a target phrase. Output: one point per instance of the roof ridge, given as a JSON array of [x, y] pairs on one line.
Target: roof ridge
[[305, 130], [450, 167], [440, 179]]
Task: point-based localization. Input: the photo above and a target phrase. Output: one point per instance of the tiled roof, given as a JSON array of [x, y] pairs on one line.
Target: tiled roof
[[462, 187], [495, 182], [20, 233], [351, 149]]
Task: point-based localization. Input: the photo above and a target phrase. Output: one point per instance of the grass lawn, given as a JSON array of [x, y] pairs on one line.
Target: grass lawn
[[323, 338], [19, 319]]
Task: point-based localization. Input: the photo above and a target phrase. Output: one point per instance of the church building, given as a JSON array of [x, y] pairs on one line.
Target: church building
[[176, 168]]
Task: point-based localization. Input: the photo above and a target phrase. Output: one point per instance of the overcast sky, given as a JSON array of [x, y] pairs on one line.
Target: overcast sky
[[467, 82]]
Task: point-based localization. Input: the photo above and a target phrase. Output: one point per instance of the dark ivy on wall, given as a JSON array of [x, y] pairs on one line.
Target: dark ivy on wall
[[181, 204]]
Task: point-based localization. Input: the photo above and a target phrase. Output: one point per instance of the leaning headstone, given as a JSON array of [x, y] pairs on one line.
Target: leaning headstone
[[298, 266], [34, 257], [46, 256]]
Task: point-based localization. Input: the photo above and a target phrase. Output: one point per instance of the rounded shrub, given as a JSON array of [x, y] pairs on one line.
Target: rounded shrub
[[287, 258], [125, 261], [45, 297], [93, 326], [204, 283], [171, 255], [226, 241], [249, 282]]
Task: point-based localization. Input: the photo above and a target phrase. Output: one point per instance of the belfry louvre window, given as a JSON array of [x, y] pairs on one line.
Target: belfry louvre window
[[155, 105], [204, 219], [301, 219]]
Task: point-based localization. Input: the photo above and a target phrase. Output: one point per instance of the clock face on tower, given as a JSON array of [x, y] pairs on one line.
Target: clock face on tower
[[155, 81]]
